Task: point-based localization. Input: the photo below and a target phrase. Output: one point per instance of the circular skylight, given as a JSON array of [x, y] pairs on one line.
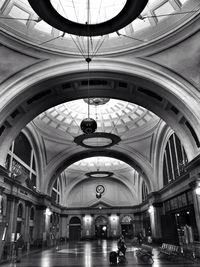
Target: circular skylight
[[159, 18], [77, 11]]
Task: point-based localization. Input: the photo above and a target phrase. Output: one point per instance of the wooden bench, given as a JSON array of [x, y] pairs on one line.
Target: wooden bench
[[145, 252], [169, 250]]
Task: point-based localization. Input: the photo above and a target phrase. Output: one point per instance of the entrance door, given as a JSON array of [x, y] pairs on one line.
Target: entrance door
[[74, 232], [101, 227], [127, 230], [101, 231], [75, 229]]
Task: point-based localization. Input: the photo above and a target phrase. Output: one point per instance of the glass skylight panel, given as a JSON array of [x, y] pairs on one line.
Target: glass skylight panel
[[17, 12], [139, 24], [100, 10], [43, 26], [164, 9]]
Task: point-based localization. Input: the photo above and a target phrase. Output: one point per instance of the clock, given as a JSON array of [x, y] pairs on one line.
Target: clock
[[100, 189]]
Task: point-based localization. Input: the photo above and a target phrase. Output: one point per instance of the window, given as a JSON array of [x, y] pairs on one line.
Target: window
[[144, 191], [55, 193], [175, 160], [21, 161]]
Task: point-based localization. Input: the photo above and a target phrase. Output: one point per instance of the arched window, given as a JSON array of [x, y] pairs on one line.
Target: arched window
[[21, 161], [175, 160], [144, 191], [75, 220], [55, 193], [126, 219]]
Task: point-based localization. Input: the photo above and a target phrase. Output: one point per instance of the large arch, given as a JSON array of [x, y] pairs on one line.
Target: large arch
[[141, 82], [107, 153]]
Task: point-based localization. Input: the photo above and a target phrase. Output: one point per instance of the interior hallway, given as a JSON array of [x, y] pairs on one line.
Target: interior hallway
[[93, 254]]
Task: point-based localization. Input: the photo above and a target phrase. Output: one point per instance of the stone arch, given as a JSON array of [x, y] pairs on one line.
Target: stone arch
[[108, 153], [141, 82], [75, 220]]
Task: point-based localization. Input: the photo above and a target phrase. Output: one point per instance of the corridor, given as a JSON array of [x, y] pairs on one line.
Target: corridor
[[93, 254]]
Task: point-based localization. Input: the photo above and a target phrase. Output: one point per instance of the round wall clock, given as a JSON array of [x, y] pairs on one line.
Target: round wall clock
[[100, 189]]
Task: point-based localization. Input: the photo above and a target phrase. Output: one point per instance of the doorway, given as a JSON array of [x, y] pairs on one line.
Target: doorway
[[101, 228], [75, 229], [127, 230], [101, 231], [127, 227]]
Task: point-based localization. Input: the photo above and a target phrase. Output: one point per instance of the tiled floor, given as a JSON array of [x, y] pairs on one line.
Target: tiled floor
[[93, 254]]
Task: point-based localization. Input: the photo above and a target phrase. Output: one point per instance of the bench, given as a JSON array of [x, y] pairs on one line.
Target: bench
[[169, 250], [145, 252]]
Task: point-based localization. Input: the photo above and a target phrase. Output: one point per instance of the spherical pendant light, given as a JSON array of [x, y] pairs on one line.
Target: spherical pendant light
[[88, 125]]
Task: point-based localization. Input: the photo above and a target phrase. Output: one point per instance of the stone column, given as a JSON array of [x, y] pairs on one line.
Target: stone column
[[40, 225], [63, 223], [155, 211], [12, 203], [3, 222], [196, 199], [28, 205]]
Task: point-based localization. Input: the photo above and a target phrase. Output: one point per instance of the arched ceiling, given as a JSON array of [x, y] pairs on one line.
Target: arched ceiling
[[157, 20], [99, 164], [115, 116], [124, 178]]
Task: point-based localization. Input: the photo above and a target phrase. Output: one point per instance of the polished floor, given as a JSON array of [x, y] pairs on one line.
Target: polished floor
[[93, 254]]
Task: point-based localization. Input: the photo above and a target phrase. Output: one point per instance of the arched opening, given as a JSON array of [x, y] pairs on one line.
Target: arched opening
[[143, 92], [127, 227], [101, 227], [74, 229]]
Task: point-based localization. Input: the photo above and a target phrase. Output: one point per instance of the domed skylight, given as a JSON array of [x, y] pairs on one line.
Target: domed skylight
[[115, 116], [99, 164], [77, 11], [158, 18]]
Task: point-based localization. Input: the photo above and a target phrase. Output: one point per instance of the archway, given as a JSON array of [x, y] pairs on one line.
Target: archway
[[127, 229], [107, 153], [101, 227], [141, 82], [75, 229]]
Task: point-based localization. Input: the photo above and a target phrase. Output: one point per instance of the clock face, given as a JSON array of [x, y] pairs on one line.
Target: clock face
[[100, 189]]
